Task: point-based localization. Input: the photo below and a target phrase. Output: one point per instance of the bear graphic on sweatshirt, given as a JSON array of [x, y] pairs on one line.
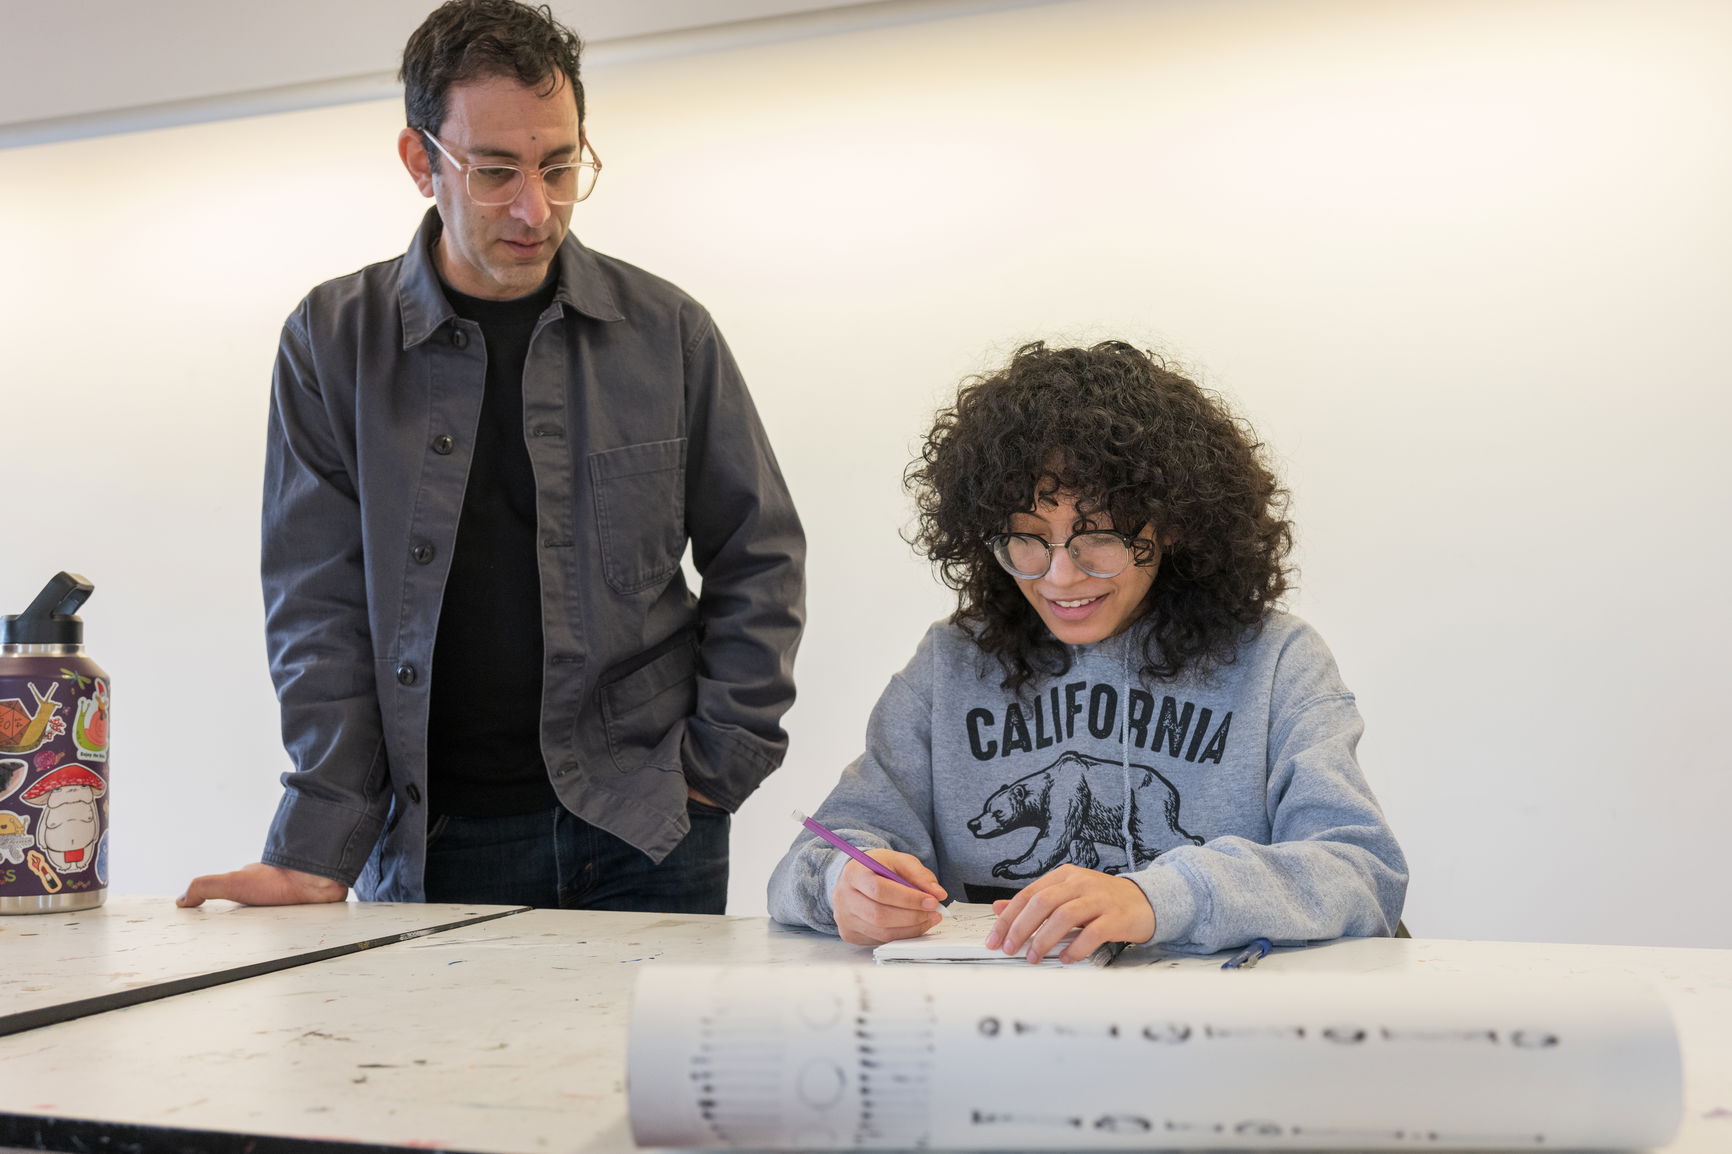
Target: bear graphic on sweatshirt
[[1076, 803]]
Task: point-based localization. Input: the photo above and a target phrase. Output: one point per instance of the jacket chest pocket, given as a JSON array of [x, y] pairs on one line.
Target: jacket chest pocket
[[640, 512]]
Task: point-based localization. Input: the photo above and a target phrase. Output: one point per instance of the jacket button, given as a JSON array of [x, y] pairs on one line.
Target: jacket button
[[422, 554], [414, 792], [459, 339], [406, 674], [443, 444]]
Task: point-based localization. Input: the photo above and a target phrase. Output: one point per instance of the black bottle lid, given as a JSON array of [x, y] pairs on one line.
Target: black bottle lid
[[52, 618]]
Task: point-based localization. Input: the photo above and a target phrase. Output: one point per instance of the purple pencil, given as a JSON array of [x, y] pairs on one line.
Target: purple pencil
[[853, 851]]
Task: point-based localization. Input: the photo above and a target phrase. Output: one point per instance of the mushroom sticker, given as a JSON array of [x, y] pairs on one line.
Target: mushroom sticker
[[69, 825]]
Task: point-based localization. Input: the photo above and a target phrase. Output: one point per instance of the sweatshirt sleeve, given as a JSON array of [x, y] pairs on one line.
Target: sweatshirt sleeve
[[1332, 868], [883, 801]]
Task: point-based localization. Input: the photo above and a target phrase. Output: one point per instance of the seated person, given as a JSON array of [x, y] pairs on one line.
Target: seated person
[[1117, 732]]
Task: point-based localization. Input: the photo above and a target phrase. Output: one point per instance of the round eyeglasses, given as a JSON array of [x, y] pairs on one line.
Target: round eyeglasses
[[491, 185], [1097, 552]]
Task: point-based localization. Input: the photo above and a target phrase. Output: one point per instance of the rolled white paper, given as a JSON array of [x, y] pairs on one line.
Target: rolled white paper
[[829, 1057]]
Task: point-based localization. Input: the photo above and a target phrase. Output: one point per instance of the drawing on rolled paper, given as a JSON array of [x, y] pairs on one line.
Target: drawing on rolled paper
[[942, 1058], [1257, 1033], [992, 1025]]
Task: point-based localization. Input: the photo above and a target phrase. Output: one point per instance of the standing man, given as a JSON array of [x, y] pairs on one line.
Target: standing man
[[485, 460]]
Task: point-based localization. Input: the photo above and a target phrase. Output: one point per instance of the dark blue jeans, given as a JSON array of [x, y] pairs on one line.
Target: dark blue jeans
[[554, 859]]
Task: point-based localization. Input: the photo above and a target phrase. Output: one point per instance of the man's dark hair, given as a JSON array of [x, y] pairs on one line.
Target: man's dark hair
[[466, 40], [1131, 439]]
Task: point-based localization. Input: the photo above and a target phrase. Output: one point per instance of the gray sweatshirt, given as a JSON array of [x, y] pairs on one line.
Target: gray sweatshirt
[[1234, 801]]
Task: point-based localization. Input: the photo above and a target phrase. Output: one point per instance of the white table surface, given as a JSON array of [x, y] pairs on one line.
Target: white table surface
[[132, 949], [510, 1035]]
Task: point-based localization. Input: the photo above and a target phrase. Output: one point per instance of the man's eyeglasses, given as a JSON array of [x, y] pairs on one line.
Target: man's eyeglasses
[[1097, 552], [491, 185]]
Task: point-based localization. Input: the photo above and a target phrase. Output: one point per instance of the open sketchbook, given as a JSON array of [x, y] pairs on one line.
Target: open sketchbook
[[963, 1058], [961, 937]]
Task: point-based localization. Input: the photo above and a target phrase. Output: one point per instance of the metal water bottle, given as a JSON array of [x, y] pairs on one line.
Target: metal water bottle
[[53, 757]]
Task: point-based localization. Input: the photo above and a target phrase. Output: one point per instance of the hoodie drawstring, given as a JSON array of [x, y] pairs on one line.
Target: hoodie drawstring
[[1125, 746]]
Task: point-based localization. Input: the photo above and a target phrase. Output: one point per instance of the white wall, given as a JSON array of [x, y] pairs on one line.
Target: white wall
[[1467, 265]]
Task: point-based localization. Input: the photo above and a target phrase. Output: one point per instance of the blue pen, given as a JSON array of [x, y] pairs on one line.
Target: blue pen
[[854, 851], [1249, 956]]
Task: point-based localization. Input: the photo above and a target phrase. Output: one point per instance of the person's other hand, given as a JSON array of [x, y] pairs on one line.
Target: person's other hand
[[871, 910], [263, 885], [1103, 908]]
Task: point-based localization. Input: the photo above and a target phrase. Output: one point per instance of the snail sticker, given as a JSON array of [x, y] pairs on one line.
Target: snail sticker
[[70, 825], [90, 727], [24, 729]]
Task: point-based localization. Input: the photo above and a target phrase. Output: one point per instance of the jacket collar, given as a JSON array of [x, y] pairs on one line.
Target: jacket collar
[[421, 296], [582, 285]]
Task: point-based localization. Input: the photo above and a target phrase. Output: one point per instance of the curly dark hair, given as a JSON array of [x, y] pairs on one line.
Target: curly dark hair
[[1128, 437], [466, 40]]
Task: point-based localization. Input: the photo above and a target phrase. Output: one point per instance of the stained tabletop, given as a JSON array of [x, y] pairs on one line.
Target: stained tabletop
[[511, 1035], [133, 949]]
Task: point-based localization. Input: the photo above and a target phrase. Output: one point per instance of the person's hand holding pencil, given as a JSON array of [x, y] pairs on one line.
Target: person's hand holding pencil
[[883, 895]]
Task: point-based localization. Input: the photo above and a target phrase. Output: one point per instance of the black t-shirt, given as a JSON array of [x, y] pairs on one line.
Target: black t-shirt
[[484, 729]]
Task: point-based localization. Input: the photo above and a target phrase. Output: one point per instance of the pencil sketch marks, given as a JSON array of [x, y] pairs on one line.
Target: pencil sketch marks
[[858, 1059], [1264, 1129], [942, 1057], [1174, 1033], [896, 1037]]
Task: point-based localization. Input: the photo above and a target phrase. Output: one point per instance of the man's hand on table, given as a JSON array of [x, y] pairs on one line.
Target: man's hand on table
[[263, 885], [267, 885]]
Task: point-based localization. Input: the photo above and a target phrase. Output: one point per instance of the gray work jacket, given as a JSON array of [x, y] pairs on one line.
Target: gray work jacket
[[642, 436]]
